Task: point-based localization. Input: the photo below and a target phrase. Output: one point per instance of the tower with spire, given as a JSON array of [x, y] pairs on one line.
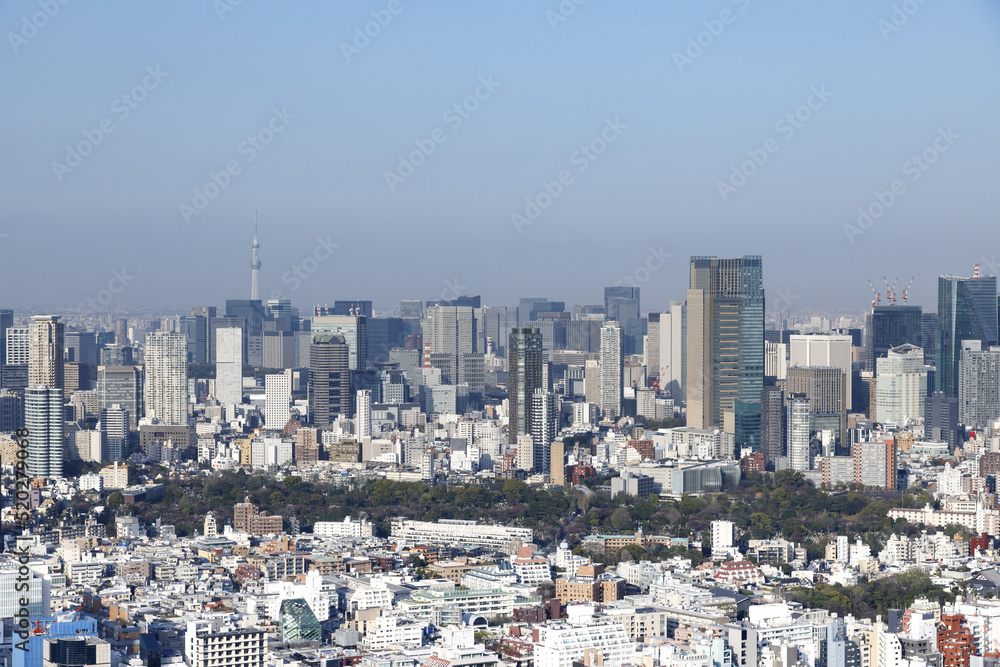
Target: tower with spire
[[255, 263]]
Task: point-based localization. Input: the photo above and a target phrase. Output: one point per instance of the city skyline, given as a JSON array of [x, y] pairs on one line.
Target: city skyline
[[826, 108]]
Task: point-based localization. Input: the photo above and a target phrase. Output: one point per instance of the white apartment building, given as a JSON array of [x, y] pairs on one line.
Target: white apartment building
[[229, 365], [392, 630], [277, 399], [210, 643], [166, 389], [561, 643], [902, 385], [458, 532], [346, 528]]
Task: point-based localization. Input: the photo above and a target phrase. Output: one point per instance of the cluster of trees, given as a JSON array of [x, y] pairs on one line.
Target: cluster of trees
[[870, 598]]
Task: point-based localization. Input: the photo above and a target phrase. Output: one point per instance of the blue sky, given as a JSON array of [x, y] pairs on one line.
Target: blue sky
[[555, 85]]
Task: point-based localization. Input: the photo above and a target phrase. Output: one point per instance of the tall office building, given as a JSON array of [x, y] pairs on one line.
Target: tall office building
[[524, 357], [11, 411], [18, 346], [216, 323], [329, 378], [978, 385], [612, 370], [725, 345], [228, 346], [967, 310], [823, 350], [46, 342], [411, 309], [114, 432], [363, 417], [121, 332], [543, 428], [941, 419], [166, 390], [530, 308], [452, 331], [277, 399], [354, 330], [798, 432], [672, 352], [117, 355], [43, 417], [498, 322], [121, 385], [772, 423], [81, 347], [621, 303], [824, 386], [928, 338], [6, 322], [195, 328], [775, 360], [876, 464], [887, 327], [901, 387], [592, 381], [651, 351]]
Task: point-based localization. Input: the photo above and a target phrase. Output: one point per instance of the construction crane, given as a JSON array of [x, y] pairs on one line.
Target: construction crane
[[878, 297], [906, 292], [890, 292]]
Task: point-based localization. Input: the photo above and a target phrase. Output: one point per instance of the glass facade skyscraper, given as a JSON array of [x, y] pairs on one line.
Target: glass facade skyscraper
[[725, 345], [524, 350], [967, 310], [888, 327]]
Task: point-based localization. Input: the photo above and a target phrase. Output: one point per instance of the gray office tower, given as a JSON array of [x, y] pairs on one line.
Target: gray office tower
[[725, 345], [43, 417], [941, 419], [411, 309], [344, 307], [121, 385], [621, 303], [772, 423], [329, 379], [530, 307], [195, 327], [544, 426], [121, 331], [81, 347], [887, 327], [114, 433], [384, 333], [498, 322], [524, 365], [117, 355], [967, 310], [978, 386]]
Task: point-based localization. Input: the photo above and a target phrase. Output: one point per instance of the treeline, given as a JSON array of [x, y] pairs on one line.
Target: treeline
[[870, 598]]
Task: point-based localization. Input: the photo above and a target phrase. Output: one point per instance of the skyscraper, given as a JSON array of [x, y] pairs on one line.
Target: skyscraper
[[725, 344], [43, 417], [195, 328], [798, 432], [452, 331], [823, 350], [363, 418], [121, 331], [277, 398], [524, 356], [353, 329], [621, 303], [46, 341], [612, 370], [772, 423], [978, 386], [824, 386], [166, 390], [122, 386], [887, 327], [967, 310], [6, 322], [941, 419], [255, 263], [544, 426], [901, 387], [329, 378], [114, 433]]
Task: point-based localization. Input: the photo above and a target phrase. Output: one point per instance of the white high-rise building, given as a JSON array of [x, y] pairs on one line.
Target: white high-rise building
[[18, 346], [798, 431], [612, 375], [604, 641], [277, 398], [229, 365], [823, 350], [978, 385], [672, 351], [723, 538], [114, 433], [44, 419], [363, 418], [166, 390], [902, 385], [776, 360]]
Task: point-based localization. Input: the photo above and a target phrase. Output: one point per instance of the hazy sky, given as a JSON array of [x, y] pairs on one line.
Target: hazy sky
[[340, 108]]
